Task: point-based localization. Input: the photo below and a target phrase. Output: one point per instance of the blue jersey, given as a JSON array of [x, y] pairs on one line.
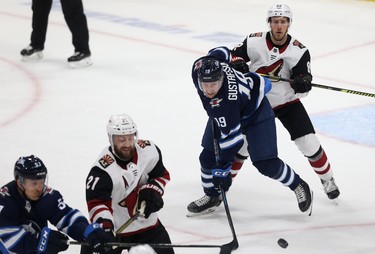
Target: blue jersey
[[21, 220], [235, 103]]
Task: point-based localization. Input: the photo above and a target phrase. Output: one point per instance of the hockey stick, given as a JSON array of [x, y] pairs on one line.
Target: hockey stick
[[344, 90], [128, 222], [223, 248], [233, 245], [133, 218]]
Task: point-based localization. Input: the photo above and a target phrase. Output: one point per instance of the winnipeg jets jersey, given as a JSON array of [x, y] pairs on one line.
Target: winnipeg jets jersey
[[235, 103], [21, 220], [286, 61], [112, 186]]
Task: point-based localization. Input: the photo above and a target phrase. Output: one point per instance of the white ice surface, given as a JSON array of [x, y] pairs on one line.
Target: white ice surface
[[142, 52]]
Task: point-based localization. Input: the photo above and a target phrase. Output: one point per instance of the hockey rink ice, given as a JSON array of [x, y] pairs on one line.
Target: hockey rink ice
[[142, 52]]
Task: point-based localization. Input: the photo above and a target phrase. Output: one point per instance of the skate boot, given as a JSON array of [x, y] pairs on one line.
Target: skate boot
[[79, 60], [31, 54], [205, 204], [330, 188], [304, 197]]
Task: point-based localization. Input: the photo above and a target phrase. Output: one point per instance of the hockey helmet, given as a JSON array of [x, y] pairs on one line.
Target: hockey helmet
[[280, 10], [210, 70], [30, 167], [121, 124]]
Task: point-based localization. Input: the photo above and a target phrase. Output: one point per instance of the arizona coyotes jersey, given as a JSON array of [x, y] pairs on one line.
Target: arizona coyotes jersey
[[112, 186], [285, 61]]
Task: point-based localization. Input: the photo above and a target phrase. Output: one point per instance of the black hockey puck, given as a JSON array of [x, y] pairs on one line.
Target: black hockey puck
[[282, 243]]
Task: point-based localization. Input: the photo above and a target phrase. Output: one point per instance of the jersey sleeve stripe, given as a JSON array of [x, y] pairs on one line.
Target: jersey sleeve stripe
[[99, 211], [67, 221], [228, 143], [231, 132], [16, 235]]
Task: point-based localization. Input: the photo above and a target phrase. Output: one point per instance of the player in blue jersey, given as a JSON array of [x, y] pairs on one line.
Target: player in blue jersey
[[237, 105], [27, 205]]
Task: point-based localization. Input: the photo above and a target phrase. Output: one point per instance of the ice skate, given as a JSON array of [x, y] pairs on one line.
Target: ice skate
[[304, 197], [331, 189], [205, 204], [31, 54], [79, 60]]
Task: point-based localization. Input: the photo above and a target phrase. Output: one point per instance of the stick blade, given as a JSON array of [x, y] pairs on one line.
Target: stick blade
[[229, 247]]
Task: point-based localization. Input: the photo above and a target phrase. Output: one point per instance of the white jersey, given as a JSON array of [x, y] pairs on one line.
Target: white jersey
[[285, 61], [112, 189]]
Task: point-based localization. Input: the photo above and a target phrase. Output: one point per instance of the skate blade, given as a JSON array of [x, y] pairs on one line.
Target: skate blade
[[207, 211], [309, 211], [34, 57], [80, 64]]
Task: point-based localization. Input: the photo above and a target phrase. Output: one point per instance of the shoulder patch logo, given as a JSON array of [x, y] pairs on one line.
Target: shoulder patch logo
[[143, 143], [259, 34], [298, 44], [106, 160], [4, 192]]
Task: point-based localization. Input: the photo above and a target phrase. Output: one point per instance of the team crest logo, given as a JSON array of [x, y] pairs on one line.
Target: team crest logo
[[106, 160], [215, 102], [273, 69]]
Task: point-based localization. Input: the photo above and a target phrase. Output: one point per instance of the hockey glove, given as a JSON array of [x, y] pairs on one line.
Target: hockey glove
[[96, 235], [222, 177], [152, 195], [239, 64], [52, 241], [301, 84]]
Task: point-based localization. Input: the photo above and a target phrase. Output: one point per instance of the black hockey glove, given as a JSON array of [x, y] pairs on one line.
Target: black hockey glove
[[302, 83], [222, 177], [96, 235], [152, 195], [239, 64], [52, 241]]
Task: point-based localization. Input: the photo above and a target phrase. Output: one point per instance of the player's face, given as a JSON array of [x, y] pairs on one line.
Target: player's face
[[33, 189], [279, 29], [210, 89], [124, 146]]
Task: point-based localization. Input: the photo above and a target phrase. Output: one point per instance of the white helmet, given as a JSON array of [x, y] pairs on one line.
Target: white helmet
[[121, 125], [280, 10], [142, 249]]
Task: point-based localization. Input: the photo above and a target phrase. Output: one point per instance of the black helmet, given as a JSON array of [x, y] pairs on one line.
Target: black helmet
[[30, 167], [210, 70]]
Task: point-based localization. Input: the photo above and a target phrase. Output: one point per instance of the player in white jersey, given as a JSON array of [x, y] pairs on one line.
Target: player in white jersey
[[279, 54], [128, 177]]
